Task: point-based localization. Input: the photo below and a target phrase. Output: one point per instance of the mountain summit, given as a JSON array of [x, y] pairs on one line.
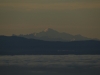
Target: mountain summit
[[53, 35], [49, 30]]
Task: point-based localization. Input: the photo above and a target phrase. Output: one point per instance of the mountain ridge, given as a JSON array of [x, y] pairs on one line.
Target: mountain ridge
[[14, 45], [50, 34]]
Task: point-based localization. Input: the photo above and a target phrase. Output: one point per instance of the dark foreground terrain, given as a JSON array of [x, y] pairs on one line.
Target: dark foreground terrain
[[13, 45]]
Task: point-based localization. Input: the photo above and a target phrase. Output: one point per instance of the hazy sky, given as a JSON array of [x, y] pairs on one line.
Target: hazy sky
[[71, 16]]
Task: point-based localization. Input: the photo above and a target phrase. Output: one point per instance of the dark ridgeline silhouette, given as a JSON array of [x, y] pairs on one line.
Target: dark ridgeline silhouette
[[13, 45], [53, 35]]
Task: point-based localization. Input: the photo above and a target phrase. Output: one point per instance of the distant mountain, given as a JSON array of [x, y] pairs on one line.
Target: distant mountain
[[53, 35], [14, 45]]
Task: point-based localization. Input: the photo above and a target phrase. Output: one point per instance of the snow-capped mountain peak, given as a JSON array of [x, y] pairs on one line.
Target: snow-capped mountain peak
[[48, 29]]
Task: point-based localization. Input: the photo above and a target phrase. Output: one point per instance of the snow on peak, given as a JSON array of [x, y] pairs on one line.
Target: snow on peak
[[48, 29]]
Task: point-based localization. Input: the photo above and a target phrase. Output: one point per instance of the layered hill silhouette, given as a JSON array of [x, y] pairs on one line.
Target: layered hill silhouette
[[53, 35], [14, 45]]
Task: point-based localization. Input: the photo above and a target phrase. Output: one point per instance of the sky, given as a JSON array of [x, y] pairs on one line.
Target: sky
[[70, 16]]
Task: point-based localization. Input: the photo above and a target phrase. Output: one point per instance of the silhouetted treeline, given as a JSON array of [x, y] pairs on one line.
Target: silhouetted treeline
[[14, 45]]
